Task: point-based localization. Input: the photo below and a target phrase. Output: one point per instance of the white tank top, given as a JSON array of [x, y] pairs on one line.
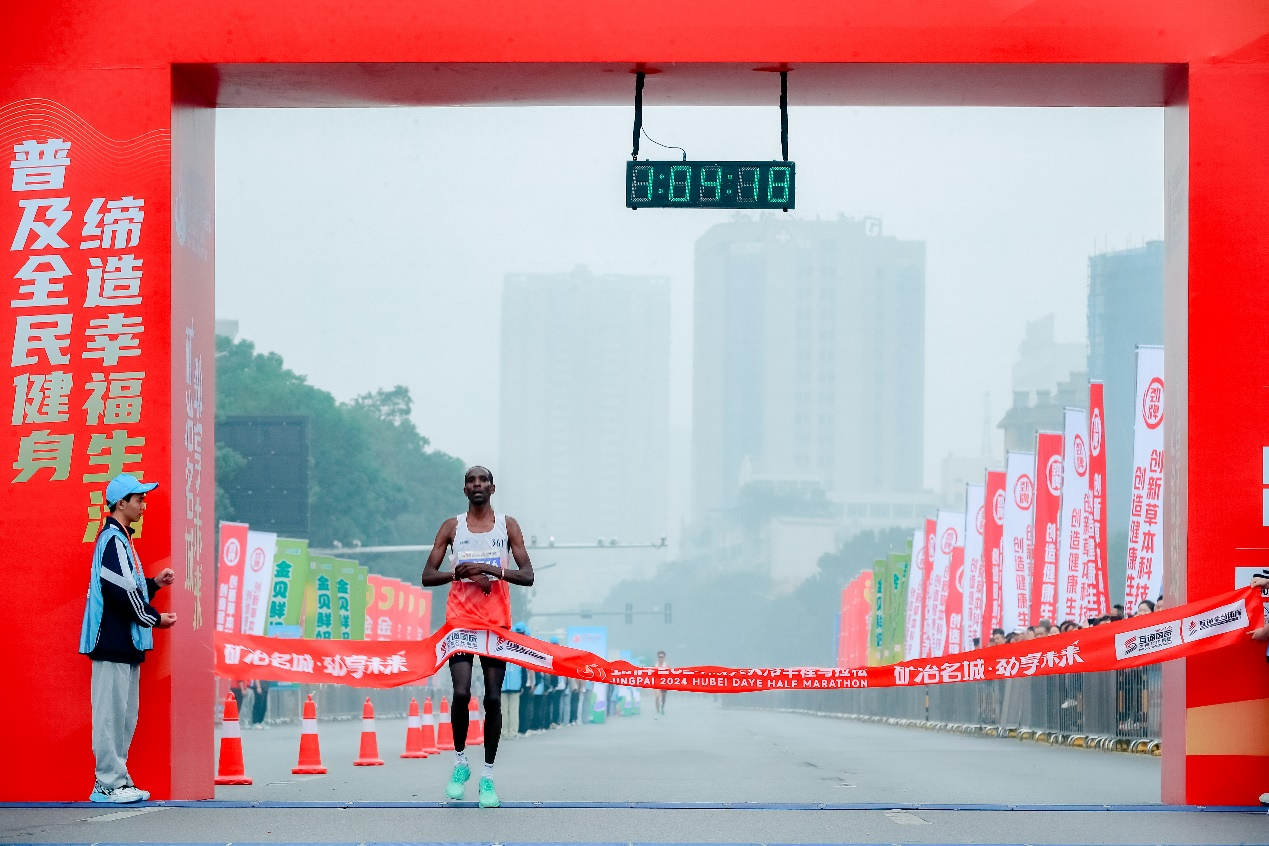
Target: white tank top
[[482, 547]]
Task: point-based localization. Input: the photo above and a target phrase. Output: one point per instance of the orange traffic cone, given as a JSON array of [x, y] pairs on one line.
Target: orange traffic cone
[[445, 732], [414, 733], [429, 729], [369, 755], [475, 725], [310, 762], [231, 771]]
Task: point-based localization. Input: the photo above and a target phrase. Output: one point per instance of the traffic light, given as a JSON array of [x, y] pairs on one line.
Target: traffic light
[[629, 612], [669, 613]]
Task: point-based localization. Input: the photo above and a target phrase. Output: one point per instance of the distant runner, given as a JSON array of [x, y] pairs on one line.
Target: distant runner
[[479, 598], [660, 694]]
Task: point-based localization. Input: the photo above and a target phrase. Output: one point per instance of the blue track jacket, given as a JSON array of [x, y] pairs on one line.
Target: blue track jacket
[[118, 617]]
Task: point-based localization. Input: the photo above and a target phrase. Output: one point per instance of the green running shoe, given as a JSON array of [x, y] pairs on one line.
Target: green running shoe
[[455, 788], [488, 796]]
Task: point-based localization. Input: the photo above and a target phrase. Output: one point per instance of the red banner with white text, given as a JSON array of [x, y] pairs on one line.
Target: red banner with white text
[[1173, 633]]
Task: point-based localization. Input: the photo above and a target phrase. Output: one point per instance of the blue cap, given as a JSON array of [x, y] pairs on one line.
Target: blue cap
[[555, 640], [125, 484], [520, 628]]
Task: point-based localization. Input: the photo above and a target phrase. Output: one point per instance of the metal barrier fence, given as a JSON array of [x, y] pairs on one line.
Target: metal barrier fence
[[1115, 710]]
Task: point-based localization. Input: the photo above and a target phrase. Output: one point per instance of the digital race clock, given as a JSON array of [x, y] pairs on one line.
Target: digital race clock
[[709, 185]]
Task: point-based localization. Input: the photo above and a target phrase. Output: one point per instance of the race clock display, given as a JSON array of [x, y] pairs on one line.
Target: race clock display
[[709, 185]]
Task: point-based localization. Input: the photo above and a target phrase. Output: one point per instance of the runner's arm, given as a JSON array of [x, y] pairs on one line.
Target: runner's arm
[[523, 574], [432, 575]]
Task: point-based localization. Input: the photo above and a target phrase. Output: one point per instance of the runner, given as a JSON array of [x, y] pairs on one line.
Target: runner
[[660, 694], [478, 597]]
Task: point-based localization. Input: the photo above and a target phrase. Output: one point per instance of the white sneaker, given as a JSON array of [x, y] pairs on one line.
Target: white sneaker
[[127, 794], [1264, 798], [145, 794]]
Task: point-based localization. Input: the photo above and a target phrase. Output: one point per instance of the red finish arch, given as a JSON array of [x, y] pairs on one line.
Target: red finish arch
[[135, 85]]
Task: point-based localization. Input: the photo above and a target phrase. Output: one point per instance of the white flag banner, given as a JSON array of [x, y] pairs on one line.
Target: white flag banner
[[1144, 579], [948, 528], [975, 586], [1015, 588], [1070, 574], [257, 576], [912, 613]]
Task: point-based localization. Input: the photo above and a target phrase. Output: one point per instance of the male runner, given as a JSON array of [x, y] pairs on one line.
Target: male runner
[[479, 598]]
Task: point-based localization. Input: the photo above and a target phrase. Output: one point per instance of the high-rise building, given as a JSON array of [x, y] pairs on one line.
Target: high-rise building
[[583, 407], [1125, 308], [808, 362]]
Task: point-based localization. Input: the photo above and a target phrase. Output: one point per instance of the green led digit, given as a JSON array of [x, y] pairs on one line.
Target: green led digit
[[711, 189], [778, 185], [747, 190], [680, 183], [641, 184]]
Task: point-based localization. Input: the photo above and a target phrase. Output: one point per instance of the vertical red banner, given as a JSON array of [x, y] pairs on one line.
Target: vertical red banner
[[1048, 507], [229, 569], [993, 552], [1096, 581], [928, 629], [954, 622]]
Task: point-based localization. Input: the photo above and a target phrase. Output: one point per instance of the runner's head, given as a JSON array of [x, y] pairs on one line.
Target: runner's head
[[478, 485]]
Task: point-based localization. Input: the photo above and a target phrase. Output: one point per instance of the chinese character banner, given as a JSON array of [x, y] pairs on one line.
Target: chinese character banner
[[1217, 623]]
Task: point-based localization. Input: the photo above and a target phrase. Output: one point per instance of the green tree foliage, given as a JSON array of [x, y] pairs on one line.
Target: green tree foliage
[[733, 616], [372, 476]]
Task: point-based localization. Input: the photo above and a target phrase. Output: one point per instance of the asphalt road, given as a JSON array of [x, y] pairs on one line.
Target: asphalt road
[[789, 778]]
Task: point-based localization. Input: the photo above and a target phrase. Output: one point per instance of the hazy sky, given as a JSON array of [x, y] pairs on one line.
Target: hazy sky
[[368, 247]]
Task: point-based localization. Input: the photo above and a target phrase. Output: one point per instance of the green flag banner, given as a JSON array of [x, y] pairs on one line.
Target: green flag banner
[[290, 573]]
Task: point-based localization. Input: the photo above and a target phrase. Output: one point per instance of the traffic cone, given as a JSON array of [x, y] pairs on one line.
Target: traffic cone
[[231, 771], [475, 725], [445, 732], [429, 729], [369, 755], [310, 762], [414, 733]]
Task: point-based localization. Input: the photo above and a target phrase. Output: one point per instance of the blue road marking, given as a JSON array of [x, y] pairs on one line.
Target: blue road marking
[[216, 804]]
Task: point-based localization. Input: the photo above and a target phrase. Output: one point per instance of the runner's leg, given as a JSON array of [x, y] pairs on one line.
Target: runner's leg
[[460, 666], [494, 672]]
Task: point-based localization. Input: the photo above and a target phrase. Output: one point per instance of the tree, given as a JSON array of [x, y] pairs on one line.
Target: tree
[[373, 477]]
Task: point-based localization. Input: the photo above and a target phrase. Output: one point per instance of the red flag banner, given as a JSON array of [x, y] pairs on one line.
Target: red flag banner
[[1180, 632]]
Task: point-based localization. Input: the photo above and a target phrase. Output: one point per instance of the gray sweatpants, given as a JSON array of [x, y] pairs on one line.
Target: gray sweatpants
[[116, 696]]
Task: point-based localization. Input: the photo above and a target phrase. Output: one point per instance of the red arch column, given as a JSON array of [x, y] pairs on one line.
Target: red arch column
[[1217, 348], [130, 401]]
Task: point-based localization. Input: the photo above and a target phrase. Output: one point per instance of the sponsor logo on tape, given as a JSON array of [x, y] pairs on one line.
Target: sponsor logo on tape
[[1227, 618], [500, 647], [1147, 640], [461, 640]]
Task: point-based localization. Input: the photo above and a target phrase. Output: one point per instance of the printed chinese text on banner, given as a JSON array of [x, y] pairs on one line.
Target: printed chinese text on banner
[[877, 632], [257, 581], [1074, 490], [1019, 503], [954, 607], [915, 597], [290, 575], [948, 528], [229, 575], [928, 594], [975, 586], [1144, 577], [1096, 578], [1220, 622], [993, 551], [896, 605], [1050, 468]]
